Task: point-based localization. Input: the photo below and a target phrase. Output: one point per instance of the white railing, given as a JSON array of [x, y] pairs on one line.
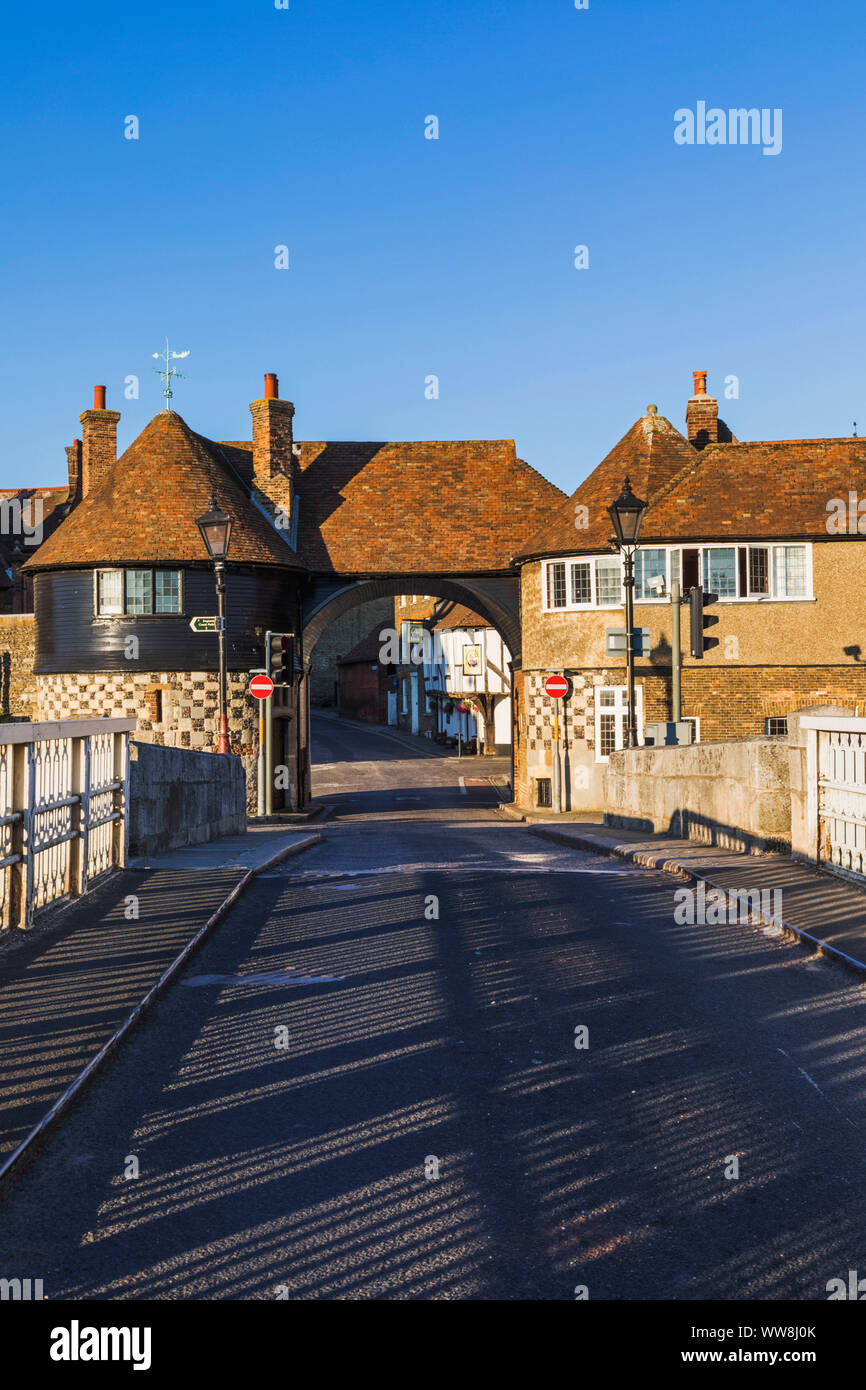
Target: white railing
[[836, 791], [63, 810]]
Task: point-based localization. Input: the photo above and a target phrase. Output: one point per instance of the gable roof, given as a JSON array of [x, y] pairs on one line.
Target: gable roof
[[420, 507], [144, 510], [652, 453]]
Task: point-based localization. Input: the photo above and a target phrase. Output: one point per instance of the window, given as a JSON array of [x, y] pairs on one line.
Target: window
[[609, 580], [790, 571], [581, 583], [736, 573], [720, 572], [648, 565], [109, 591], [167, 591], [139, 593], [611, 719], [134, 592], [776, 727], [759, 570], [542, 792], [556, 584]]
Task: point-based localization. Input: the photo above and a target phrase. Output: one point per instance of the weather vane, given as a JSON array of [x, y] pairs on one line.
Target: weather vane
[[167, 372]]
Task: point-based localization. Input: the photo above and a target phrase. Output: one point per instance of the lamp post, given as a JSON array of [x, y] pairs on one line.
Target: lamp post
[[216, 530], [627, 514]]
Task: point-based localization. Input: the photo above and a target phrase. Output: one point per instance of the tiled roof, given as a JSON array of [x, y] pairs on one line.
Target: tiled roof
[[651, 453], [764, 489], [769, 488], [145, 508], [461, 616], [434, 506]]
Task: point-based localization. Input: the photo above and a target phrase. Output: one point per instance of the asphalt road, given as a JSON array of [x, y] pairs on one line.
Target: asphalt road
[[402, 1002]]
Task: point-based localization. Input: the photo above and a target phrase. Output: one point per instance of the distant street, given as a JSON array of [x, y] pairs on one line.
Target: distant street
[[366, 1085]]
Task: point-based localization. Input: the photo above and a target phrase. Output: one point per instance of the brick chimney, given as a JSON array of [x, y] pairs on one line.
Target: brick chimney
[[98, 441], [272, 435], [702, 415], [73, 460]]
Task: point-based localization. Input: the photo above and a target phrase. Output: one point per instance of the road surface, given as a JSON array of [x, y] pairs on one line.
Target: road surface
[[367, 1084]]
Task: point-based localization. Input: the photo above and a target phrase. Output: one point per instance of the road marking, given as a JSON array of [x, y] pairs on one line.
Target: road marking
[[462, 782], [278, 977], [803, 1072]]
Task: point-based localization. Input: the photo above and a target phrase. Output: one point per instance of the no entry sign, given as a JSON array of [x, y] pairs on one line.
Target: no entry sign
[[261, 687], [556, 687]]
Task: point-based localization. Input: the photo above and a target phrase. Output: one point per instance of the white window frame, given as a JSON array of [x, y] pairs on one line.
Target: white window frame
[[122, 571], [620, 712], [669, 551]]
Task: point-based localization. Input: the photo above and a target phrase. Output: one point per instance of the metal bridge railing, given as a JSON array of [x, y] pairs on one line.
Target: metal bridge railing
[[64, 793]]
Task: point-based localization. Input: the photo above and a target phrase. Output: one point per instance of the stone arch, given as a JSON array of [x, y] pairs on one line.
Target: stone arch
[[497, 600]]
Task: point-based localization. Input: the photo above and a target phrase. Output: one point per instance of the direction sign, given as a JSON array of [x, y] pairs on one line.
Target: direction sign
[[261, 687], [556, 687], [205, 624]]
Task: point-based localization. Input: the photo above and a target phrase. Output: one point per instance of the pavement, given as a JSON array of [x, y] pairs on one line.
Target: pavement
[[441, 1057], [819, 908], [67, 985]]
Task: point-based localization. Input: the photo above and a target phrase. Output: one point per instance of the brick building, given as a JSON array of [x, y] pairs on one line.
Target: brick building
[[773, 527], [318, 529]]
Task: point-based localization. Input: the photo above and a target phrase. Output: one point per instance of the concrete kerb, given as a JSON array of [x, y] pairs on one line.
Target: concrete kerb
[[648, 860], [28, 1146]]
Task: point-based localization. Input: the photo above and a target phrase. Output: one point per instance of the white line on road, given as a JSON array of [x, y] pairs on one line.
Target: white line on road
[[462, 782]]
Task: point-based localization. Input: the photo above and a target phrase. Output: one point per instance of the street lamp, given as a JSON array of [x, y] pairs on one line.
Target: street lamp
[[216, 530], [627, 514]]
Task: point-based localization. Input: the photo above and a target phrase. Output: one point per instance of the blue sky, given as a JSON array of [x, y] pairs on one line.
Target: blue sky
[[411, 257]]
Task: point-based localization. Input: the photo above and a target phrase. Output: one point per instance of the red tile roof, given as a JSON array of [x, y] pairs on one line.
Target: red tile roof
[[768, 488], [461, 616], [145, 509], [432, 506], [651, 453], [741, 490]]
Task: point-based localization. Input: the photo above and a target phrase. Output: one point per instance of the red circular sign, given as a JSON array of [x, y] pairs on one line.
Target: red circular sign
[[261, 687], [556, 687]]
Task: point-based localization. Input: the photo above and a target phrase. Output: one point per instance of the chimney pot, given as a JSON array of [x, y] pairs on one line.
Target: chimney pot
[[99, 398], [700, 383], [272, 386]]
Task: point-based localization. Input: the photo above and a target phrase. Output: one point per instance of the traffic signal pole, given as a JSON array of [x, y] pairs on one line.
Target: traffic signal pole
[[269, 755], [677, 655]]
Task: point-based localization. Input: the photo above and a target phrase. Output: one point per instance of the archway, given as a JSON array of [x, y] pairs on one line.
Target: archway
[[495, 598]]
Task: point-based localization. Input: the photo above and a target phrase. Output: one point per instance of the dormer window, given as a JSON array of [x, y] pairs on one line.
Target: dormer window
[[128, 593]]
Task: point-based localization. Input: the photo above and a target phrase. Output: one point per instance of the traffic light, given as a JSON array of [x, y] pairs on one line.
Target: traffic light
[[700, 620], [281, 657]]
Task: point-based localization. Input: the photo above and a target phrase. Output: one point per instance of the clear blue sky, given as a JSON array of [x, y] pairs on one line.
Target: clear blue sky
[[410, 256]]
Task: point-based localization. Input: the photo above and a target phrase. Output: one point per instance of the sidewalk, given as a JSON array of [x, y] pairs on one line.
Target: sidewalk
[[67, 986], [819, 909]]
